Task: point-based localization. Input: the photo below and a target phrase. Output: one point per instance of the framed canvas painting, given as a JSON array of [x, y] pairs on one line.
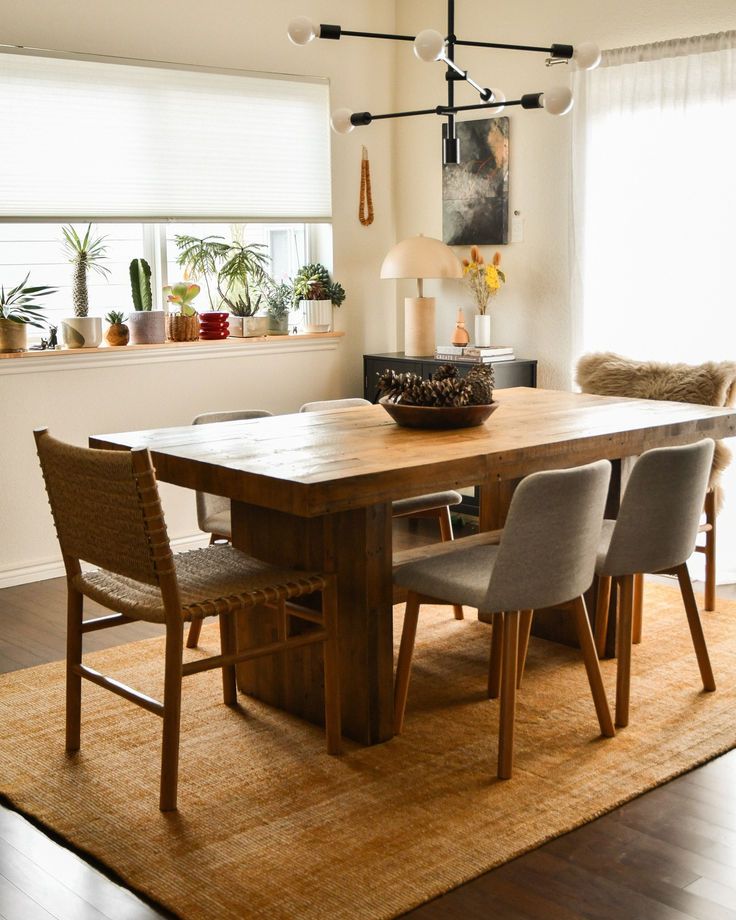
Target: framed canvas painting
[[475, 192]]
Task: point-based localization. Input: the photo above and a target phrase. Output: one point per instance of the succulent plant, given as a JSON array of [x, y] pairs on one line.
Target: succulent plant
[[313, 282], [115, 318], [182, 294]]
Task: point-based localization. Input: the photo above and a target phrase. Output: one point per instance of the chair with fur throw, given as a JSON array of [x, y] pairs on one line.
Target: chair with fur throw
[[709, 384]]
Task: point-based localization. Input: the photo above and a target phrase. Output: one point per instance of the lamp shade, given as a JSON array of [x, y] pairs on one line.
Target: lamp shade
[[421, 257]]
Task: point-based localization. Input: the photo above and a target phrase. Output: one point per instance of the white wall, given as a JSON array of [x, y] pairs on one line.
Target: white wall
[[74, 403], [532, 312]]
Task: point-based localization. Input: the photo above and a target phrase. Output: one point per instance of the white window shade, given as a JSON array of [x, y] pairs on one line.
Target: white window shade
[[98, 140]]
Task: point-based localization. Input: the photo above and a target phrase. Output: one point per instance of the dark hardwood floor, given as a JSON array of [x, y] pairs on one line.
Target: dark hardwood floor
[[668, 855]]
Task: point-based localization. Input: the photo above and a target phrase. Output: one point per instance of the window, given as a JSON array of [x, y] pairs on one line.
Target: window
[[146, 152]]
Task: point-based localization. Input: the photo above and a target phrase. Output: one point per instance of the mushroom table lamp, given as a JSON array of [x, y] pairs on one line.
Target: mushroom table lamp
[[420, 257]]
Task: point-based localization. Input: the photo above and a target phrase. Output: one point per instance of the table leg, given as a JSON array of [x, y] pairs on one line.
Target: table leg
[[356, 545]]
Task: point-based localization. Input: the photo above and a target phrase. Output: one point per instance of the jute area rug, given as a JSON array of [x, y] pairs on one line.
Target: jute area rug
[[270, 826]]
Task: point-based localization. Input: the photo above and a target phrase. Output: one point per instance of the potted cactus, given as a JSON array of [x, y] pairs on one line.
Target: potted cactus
[[182, 324], [86, 254], [117, 332], [18, 311], [316, 293], [147, 326]]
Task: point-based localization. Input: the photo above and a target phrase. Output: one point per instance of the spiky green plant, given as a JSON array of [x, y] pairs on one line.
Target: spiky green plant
[[244, 269], [85, 254], [201, 257], [115, 317], [18, 303], [140, 283]]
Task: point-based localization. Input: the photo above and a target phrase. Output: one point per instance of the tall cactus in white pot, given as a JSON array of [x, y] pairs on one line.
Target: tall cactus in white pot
[[86, 253], [147, 326]]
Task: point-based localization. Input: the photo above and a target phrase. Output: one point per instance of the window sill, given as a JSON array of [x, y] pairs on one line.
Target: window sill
[[106, 356]]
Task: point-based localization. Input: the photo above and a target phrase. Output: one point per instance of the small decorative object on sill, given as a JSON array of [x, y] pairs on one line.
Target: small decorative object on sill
[[445, 401], [147, 326], [365, 206], [117, 332], [213, 325], [460, 336]]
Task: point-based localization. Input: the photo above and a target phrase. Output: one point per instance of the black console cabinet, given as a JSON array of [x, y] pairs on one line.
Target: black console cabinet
[[517, 373]]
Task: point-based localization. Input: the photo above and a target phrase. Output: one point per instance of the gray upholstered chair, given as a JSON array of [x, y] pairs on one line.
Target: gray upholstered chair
[[213, 511], [655, 532], [434, 505], [107, 512], [710, 384], [546, 557]]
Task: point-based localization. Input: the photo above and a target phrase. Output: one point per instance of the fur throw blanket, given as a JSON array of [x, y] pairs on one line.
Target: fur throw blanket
[[709, 384]]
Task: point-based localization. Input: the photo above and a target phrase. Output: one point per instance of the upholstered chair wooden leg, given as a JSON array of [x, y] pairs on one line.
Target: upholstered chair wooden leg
[[172, 718], [525, 628], [508, 694], [403, 667], [623, 651], [494, 661], [228, 646], [333, 722], [446, 534], [602, 603], [696, 628], [595, 679], [710, 550], [637, 614], [75, 602]]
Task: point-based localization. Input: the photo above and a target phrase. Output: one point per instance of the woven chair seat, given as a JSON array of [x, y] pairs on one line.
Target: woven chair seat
[[215, 580], [425, 502]]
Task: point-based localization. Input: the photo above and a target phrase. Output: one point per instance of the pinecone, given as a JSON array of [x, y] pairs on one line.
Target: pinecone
[[411, 390], [480, 381], [445, 372]]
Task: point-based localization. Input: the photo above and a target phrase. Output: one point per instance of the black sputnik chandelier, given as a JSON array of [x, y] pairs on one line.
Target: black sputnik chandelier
[[430, 46]]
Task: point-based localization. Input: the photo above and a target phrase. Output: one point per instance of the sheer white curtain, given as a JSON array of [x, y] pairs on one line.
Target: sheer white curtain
[[654, 212]]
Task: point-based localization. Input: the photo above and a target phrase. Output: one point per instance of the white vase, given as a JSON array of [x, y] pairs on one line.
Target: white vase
[[81, 331], [317, 315], [482, 335]]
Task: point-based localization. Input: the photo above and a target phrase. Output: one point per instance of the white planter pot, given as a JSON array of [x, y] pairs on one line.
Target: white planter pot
[[317, 315], [482, 330], [255, 325], [81, 331], [235, 326], [147, 327], [13, 336]]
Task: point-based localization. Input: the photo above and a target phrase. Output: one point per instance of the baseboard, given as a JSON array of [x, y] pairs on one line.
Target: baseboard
[[40, 570]]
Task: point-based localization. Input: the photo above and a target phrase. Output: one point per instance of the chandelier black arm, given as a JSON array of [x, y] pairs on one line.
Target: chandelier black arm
[[336, 32], [527, 101], [556, 51]]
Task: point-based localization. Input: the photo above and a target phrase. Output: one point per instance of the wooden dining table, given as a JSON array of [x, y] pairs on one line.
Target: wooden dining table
[[314, 491]]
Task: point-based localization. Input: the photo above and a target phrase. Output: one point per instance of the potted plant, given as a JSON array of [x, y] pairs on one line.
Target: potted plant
[[279, 298], [147, 326], [117, 332], [18, 311], [86, 254], [317, 294], [182, 325], [201, 258]]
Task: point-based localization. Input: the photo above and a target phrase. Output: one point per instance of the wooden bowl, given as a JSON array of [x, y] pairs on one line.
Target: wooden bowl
[[438, 416]]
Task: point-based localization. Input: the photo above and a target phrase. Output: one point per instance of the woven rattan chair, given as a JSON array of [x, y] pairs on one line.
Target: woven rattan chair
[[213, 511], [709, 384], [545, 557], [434, 505], [107, 513]]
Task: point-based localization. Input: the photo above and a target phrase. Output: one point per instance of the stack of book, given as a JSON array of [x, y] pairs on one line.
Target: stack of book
[[474, 354]]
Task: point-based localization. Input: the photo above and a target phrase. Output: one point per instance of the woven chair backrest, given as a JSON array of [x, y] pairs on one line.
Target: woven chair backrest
[[105, 512], [207, 504], [322, 405], [657, 523], [549, 544]]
